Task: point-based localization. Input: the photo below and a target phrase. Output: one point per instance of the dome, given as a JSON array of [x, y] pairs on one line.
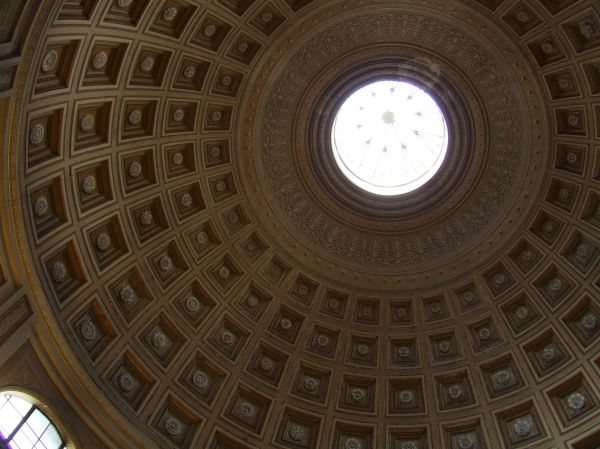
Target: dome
[[303, 224]]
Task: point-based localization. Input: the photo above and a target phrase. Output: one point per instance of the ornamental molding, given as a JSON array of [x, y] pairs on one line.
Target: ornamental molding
[[511, 117]]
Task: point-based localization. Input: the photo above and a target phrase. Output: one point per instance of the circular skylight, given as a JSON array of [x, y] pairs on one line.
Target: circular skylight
[[389, 137]]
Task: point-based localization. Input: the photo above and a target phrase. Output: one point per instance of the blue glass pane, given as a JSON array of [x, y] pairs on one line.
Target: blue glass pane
[[38, 422], [51, 438], [29, 433]]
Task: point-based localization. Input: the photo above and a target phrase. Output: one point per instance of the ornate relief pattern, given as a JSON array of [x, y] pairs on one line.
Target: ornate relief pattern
[[201, 326], [507, 140], [13, 318]]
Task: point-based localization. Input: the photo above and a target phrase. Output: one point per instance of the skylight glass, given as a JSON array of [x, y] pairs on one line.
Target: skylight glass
[[389, 137]]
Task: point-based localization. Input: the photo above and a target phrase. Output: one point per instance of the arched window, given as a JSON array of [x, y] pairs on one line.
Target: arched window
[[24, 426]]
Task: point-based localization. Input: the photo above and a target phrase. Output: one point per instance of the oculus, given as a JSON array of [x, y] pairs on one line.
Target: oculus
[[389, 137]]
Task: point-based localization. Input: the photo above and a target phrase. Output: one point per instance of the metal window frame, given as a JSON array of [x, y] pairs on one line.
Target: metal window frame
[[4, 442]]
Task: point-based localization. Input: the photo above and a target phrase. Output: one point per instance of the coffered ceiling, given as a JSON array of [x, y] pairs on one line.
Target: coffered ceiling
[[176, 220]]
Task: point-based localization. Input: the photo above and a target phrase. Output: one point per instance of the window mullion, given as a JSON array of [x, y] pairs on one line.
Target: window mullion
[[23, 421]]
